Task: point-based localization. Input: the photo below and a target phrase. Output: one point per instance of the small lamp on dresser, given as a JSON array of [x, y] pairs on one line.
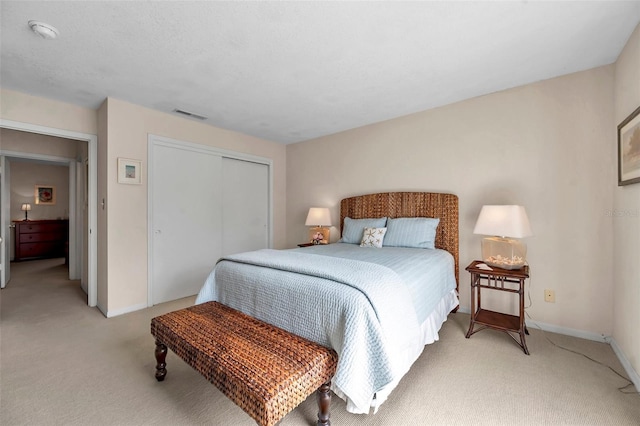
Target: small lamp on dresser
[[318, 217], [26, 208], [504, 224]]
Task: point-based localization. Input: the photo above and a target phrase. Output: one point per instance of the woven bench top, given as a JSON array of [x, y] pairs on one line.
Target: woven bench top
[[264, 369]]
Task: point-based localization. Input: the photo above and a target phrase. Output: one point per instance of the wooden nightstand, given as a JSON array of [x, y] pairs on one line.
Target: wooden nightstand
[[502, 280]]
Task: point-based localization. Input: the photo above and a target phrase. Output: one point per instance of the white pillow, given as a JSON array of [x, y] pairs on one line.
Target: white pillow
[[373, 237]]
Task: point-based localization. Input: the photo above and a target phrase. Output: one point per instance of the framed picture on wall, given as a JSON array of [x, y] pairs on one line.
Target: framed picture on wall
[[629, 149], [129, 171], [45, 195]]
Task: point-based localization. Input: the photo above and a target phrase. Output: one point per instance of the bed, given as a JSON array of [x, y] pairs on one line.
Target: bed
[[376, 306]]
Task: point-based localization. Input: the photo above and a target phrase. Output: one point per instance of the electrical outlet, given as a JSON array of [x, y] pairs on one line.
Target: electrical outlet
[[550, 296]]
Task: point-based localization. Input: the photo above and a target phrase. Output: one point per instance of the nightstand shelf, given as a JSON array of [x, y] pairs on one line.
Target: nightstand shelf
[[497, 320], [511, 281]]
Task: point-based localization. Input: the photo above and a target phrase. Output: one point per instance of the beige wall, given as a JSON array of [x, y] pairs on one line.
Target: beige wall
[[24, 177], [546, 146], [128, 127], [32, 110], [122, 131], [626, 220], [16, 106], [33, 143], [25, 173]]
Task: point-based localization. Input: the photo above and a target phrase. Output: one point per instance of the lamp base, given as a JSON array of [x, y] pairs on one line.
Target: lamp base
[[505, 253], [319, 235]]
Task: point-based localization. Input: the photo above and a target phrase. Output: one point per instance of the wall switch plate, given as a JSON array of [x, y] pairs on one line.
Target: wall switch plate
[[550, 296]]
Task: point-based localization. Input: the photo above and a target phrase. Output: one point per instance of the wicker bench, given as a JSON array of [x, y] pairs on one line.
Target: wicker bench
[[265, 370]]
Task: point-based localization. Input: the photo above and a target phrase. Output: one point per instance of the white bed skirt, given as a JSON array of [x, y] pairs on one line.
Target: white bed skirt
[[429, 333]]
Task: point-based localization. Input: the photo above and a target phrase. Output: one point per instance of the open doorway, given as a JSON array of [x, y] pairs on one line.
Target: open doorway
[[41, 194], [81, 210]]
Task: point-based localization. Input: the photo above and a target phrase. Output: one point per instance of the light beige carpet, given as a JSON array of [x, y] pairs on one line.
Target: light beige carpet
[[62, 363]]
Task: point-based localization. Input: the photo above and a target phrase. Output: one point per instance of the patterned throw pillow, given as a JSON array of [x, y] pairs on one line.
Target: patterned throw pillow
[[373, 237]]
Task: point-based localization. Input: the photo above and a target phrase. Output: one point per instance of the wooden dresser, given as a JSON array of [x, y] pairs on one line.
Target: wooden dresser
[[40, 239]]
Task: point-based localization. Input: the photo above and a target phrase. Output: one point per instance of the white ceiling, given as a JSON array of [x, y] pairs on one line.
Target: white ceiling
[[292, 71]]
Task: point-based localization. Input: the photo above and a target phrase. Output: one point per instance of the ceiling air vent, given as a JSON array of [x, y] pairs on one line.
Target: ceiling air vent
[[190, 114]]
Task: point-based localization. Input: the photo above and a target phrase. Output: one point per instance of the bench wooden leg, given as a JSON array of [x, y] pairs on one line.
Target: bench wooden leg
[[161, 366], [324, 403]]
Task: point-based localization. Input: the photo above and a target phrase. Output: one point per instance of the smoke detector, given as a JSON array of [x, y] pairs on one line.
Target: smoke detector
[[44, 30]]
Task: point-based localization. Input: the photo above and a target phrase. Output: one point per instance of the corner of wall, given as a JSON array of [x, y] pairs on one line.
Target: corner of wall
[[633, 375]]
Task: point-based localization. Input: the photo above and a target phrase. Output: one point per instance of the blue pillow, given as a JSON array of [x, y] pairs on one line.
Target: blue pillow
[[353, 229], [413, 232]]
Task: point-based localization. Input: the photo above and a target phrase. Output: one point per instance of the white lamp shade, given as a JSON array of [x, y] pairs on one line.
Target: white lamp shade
[[318, 216], [503, 221], [26, 207]]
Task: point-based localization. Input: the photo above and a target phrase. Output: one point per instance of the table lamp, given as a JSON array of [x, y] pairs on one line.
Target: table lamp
[[319, 217], [26, 208], [504, 224]]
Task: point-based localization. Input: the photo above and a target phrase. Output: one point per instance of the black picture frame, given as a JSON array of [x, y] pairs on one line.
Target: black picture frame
[[45, 195], [629, 149]]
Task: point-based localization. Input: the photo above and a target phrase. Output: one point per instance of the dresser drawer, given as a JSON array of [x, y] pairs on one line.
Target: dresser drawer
[[35, 238], [36, 228], [46, 249]]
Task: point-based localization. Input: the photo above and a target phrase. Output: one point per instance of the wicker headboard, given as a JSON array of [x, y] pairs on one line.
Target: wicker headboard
[[410, 204]]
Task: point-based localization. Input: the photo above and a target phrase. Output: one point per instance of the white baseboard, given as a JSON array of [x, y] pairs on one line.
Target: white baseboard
[[567, 331], [127, 310], [633, 375]]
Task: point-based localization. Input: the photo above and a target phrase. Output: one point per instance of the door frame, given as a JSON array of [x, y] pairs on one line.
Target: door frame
[[14, 156], [155, 140], [5, 200], [92, 144]]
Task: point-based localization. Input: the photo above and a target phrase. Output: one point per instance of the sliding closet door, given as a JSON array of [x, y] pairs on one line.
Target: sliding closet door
[[245, 206], [186, 219]]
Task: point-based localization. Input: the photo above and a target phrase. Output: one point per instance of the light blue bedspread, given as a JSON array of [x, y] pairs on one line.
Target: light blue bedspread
[[428, 274], [363, 310]]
